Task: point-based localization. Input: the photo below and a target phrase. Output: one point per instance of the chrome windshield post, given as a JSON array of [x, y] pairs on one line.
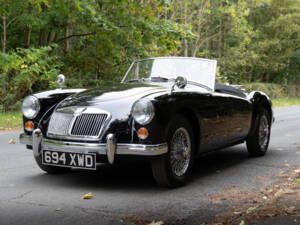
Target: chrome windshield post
[[36, 141]]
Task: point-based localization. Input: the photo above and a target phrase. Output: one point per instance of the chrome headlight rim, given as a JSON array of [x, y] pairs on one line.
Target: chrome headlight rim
[[30, 103], [142, 103]]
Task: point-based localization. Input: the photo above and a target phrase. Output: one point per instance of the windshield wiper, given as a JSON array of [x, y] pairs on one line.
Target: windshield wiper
[[136, 80], [163, 79]]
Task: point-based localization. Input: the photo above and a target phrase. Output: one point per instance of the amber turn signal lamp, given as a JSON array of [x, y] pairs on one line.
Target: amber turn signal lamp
[[29, 126], [142, 133]]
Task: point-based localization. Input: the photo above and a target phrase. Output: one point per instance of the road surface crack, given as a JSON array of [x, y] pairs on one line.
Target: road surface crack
[[20, 196]]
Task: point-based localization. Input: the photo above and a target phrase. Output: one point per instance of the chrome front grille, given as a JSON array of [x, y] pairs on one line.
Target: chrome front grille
[[88, 124], [73, 123], [59, 123]]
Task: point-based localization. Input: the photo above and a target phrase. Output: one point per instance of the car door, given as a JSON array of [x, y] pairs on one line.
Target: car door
[[214, 121], [240, 114]]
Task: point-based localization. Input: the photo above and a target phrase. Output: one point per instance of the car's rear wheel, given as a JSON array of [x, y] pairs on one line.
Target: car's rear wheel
[[174, 168], [50, 169], [257, 144]]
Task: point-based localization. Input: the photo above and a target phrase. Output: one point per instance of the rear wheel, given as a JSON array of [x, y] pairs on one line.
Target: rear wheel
[[50, 169], [257, 144], [174, 168]]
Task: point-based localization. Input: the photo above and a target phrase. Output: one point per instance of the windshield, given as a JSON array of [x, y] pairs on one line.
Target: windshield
[[201, 71]]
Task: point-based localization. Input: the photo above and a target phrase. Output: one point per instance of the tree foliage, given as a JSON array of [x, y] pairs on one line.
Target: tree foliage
[[253, 40]]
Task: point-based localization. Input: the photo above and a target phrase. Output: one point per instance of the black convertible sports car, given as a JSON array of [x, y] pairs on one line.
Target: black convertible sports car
[[168, 110]]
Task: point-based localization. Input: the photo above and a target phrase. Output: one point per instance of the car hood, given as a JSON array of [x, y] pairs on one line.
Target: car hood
[[113, 95]]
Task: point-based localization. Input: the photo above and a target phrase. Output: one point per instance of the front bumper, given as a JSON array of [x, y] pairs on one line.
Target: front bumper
[[110, 148]]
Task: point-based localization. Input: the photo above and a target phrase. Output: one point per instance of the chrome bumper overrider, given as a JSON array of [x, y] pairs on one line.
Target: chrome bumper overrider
[[110, 148]]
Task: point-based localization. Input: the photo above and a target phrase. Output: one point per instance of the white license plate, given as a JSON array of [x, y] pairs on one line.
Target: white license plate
[[69, 159]]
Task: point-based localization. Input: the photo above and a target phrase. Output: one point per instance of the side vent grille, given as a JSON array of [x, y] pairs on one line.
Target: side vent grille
[[59, 123]]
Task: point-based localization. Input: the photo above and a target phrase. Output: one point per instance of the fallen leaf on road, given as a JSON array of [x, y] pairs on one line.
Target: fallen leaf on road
[[237, 213], [298, 147], [58, 209], [251, 209], [11, 141], [156, 223], [278, 193], [242, 222], [88, 196], [218, 171], [290, 209]]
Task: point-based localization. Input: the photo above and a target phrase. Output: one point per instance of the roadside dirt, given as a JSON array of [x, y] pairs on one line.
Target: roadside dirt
[[274, 204], [10, 129]]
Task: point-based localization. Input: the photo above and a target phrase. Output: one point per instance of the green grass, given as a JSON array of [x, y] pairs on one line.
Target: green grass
[[10, 120], [284, 102]]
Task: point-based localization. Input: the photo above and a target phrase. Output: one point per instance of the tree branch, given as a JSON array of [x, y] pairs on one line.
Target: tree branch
[[75, 35], [12, 20]]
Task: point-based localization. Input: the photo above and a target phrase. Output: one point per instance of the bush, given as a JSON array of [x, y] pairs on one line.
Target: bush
[[275, 90], [26, 71]]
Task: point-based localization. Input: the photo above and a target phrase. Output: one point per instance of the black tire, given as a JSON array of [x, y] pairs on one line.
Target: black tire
[[50, 169], [162, 169], [258, 143]]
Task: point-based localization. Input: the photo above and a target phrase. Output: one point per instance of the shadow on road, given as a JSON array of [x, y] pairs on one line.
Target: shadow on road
[[138, 176]]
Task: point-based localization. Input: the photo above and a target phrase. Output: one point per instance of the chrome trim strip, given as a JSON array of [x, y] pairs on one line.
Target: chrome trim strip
[[99, 148], [65, 146]]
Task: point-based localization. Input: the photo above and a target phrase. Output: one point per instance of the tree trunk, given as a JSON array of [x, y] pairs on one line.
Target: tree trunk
[[43, 37], [51, 37], [185, 40], [4, 34], [27, 37], [67, 40]]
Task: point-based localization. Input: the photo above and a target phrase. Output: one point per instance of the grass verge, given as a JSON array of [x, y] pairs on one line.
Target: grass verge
[[10, 120], [284, 102]]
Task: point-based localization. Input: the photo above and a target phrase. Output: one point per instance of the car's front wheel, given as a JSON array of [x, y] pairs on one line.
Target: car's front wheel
[[50, 169], [174, 168], [257, 144]]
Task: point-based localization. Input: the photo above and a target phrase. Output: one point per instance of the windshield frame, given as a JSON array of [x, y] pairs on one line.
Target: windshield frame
[[178, 57]]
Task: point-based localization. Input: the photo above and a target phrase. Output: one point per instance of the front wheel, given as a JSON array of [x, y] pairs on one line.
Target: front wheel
[[174, 168], [257, 144], [50, 169]]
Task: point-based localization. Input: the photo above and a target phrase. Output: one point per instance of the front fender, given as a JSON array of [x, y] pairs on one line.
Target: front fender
[[48, 100]]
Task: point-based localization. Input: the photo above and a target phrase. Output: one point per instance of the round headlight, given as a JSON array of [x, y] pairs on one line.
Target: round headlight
[[143, 111], [30, 107]]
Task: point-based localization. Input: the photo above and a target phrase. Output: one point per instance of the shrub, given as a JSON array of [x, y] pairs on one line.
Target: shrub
[[275, 90], [25, 71]]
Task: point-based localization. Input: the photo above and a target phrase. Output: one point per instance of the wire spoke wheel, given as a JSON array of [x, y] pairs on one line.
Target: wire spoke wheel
[[264, 131], [180, 151], [174, 168], [257, 144]]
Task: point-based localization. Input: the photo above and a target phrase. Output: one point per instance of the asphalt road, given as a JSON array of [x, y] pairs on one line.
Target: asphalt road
[[128, 192]]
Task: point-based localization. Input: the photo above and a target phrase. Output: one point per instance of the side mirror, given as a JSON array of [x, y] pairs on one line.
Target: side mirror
[[60, 80], [180, 82]]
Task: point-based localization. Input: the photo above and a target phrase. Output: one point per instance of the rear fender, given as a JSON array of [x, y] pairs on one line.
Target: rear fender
[[260, 101]]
